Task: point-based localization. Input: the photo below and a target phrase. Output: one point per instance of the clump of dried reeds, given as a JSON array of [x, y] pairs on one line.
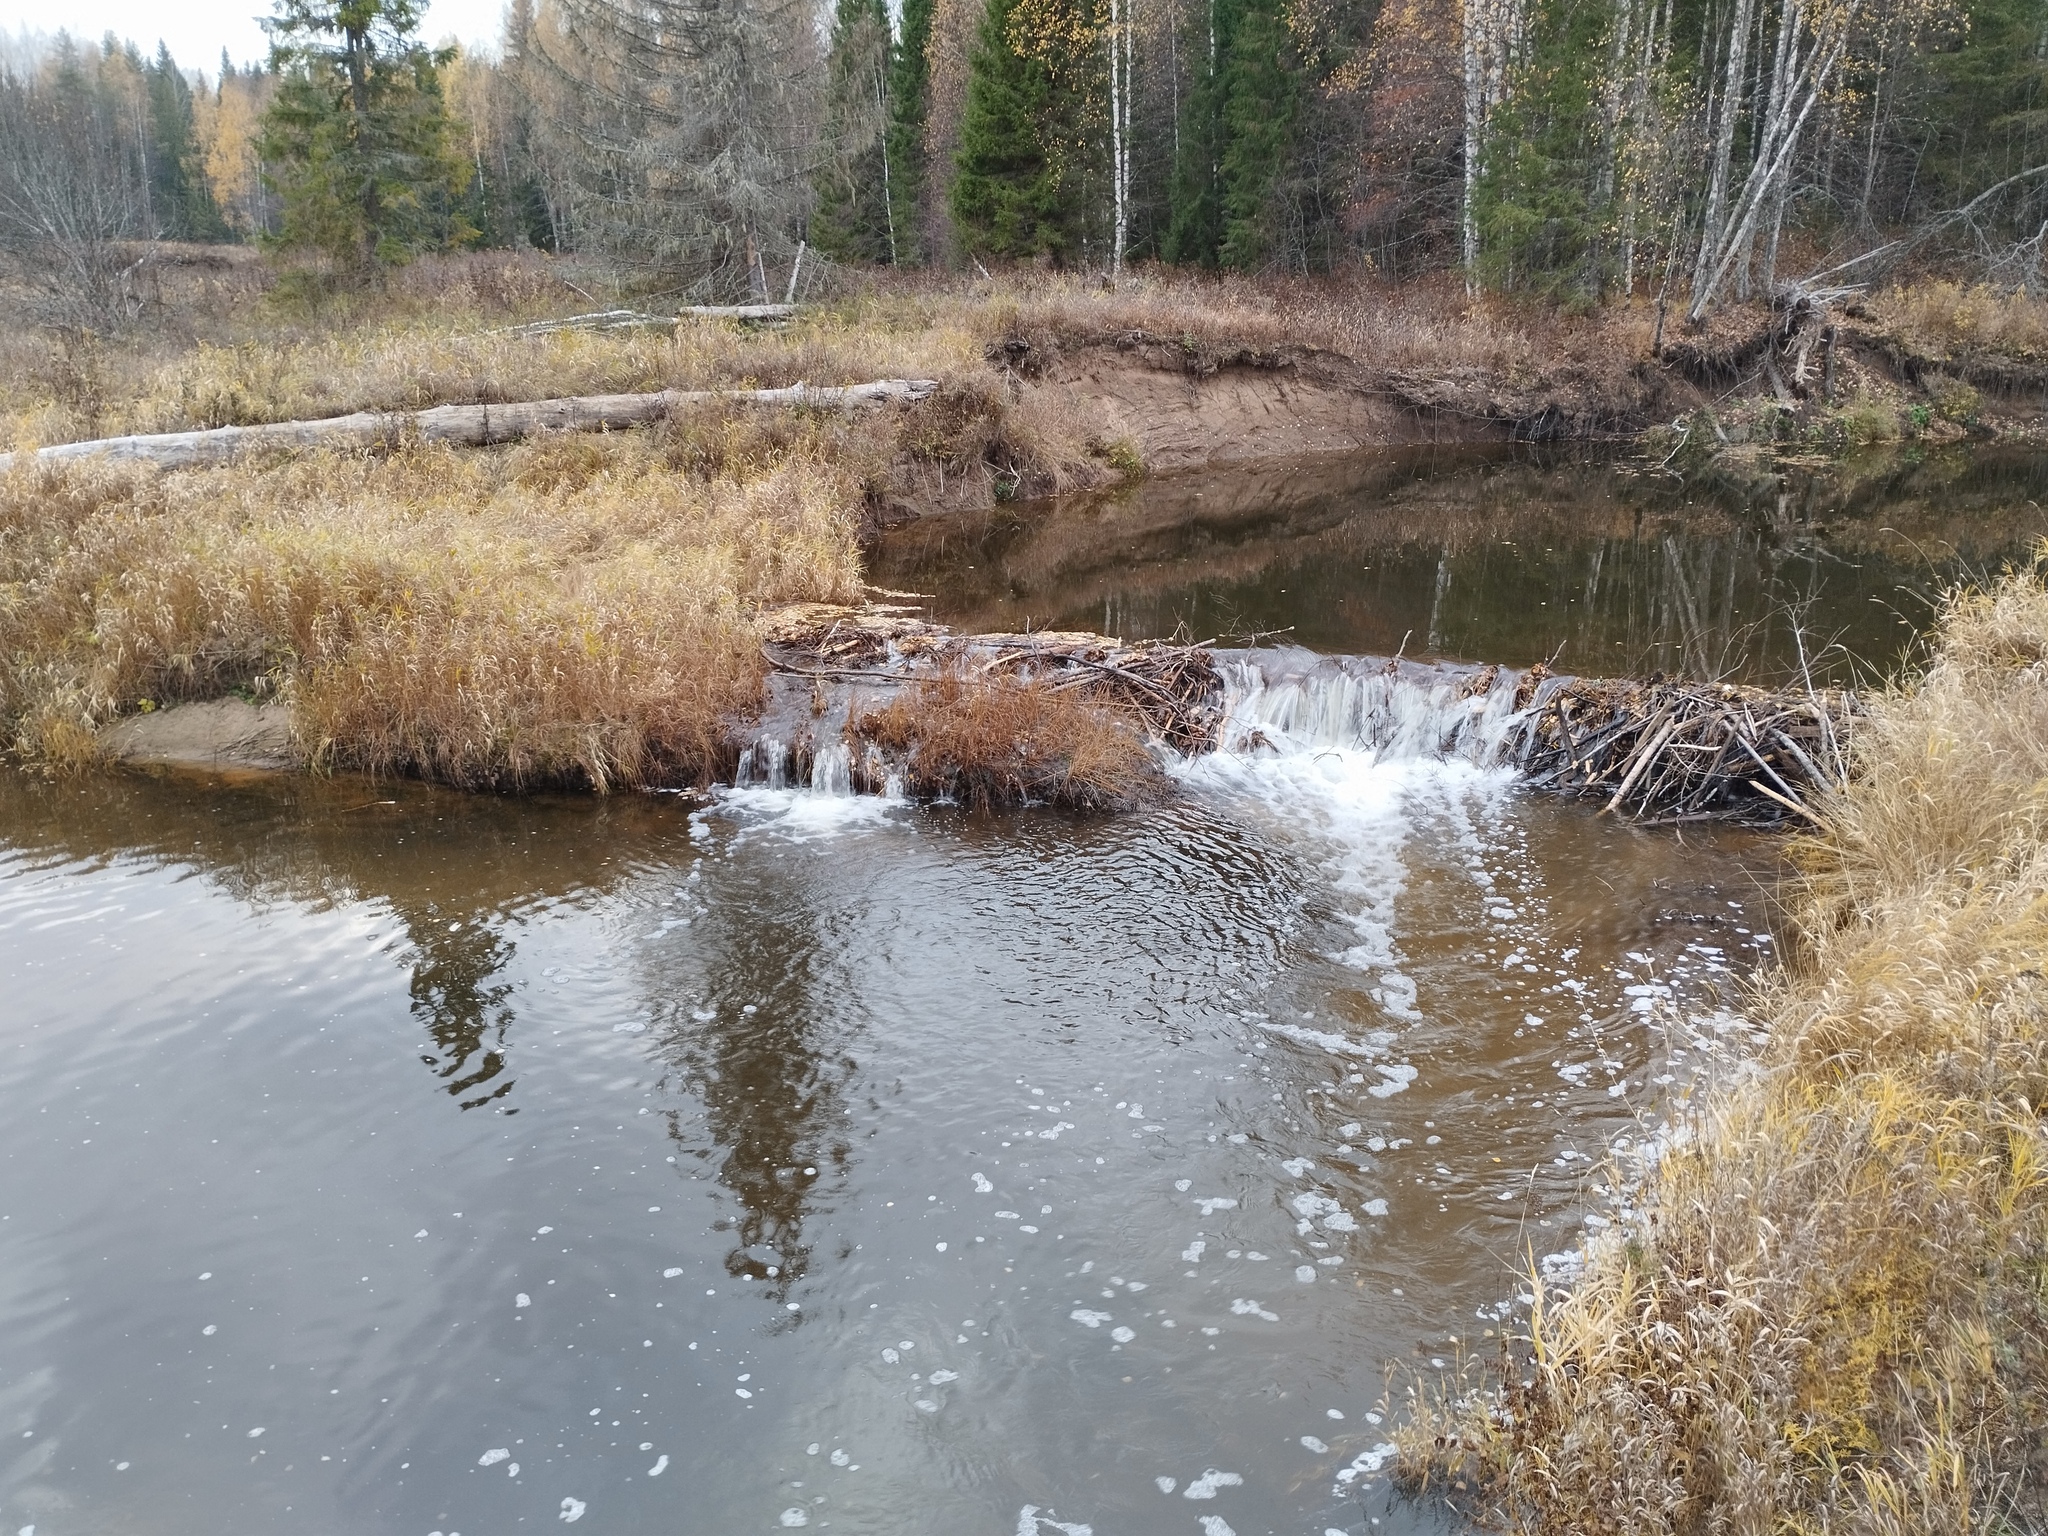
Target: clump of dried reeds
[[569, 611], [1834, 1314], [988, 741]]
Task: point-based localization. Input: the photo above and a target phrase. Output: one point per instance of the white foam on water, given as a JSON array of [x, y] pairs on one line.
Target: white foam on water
[[1122, 1334], [1243, 1308], [799, 815], [1088, 1318], [572, 1511], [660, 1466], [1215, 1525], [1165, 1484], [1205, 1486], [940, 1378], [982, 1185], [493, 1456], [1030, 1522], [1397, 1080], [1320, 1447], [1365, 1464], [1221, 1203]]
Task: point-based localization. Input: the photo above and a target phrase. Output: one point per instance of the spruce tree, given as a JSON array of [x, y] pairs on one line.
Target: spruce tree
[[1030, 140], [853, 219], [357, 139], [1195, 226], [1538, 204], [909, 98], [1258, 92], [179, 193]]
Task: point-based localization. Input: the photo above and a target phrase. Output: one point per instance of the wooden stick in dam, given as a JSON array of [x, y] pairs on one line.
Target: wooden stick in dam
[[471, 426]]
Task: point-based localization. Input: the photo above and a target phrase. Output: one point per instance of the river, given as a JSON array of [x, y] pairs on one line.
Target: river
[[380, 1159]]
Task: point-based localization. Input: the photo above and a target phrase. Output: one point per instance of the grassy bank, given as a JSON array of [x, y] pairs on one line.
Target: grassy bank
[[1833, 1314], [576, 611], [588, 610]]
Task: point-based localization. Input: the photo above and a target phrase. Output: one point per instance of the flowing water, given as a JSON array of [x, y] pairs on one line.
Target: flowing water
[[384, 1160]]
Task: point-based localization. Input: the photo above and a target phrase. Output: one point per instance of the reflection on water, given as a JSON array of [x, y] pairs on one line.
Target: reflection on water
[[783, 1161], [1497, 555]]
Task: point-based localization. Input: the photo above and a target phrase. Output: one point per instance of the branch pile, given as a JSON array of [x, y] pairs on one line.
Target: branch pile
[[1664, 752]]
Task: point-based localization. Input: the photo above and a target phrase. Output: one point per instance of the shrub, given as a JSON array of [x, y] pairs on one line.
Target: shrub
[[999, 741]]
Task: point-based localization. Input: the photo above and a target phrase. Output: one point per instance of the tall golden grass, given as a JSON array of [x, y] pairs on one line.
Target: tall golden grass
[[1833, 1316], [1949, 319], [572, 611]]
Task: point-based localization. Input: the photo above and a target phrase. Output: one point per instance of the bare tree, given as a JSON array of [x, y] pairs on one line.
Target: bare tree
[[73, 200]]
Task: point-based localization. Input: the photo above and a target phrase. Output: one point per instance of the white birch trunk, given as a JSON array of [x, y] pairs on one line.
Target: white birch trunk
[[1119, 129], [1730, 108]]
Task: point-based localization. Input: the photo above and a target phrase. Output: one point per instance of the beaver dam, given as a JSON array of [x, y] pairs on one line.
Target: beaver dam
[[809, 1154], [876, 700]]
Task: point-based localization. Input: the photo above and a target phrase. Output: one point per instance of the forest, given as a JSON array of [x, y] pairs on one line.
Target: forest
[[1686, 151]]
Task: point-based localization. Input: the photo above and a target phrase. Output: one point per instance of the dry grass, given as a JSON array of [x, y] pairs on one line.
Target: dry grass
[[571, 611], [1951, 320], [402, 349], [998, 741], [1834, 1316]]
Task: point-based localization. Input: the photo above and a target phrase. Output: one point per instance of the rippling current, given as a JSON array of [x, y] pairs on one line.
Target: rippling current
[[374, 1159]]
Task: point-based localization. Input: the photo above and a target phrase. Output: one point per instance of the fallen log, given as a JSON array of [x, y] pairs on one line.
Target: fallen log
[[601, 320], [471, 426], [755, 312]]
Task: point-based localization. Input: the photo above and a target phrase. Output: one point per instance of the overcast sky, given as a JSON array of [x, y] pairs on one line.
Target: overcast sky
[[197, 30]]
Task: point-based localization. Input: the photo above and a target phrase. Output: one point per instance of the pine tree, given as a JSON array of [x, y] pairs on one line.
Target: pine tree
[[356, 140], [1032, 166], [909, 99], [854, 217]]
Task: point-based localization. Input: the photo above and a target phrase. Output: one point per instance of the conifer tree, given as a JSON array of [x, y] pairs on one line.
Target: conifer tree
[[854, 219], [179, 194], [1195, 220], [909, 100], [1032, 153], [1538, 203], [357, 140], [1258, 94]]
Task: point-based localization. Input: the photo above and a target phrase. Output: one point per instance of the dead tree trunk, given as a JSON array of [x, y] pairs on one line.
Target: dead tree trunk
[[471, 426]]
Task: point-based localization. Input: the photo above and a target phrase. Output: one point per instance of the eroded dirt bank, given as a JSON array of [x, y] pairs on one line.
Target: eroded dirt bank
[[1753, 376]]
